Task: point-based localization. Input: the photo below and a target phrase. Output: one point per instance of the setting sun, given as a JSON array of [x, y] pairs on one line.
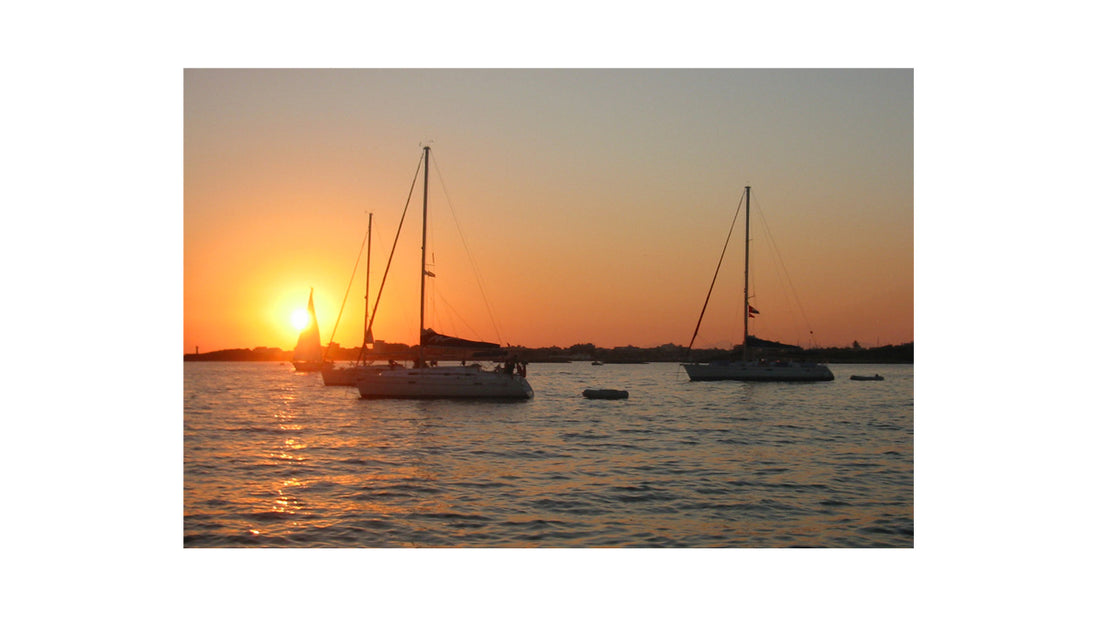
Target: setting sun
[[300, 319]]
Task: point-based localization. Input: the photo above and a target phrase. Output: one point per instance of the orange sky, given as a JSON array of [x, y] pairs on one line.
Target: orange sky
[[595, 203]]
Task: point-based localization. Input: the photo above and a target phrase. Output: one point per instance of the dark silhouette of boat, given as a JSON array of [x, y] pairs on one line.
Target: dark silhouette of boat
[[308, 355], [749, 368]]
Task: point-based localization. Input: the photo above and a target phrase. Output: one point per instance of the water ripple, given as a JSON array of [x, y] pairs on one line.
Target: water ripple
[[275, 459]]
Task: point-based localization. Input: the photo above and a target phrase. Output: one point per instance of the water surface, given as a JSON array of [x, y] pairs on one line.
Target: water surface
[[273, 458]]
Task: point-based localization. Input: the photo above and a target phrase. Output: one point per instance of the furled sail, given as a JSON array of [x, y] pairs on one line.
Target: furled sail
[[429, 337], [309, 340], [757, 342]]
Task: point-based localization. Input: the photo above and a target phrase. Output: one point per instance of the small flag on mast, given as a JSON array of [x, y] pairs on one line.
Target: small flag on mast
[[753, 311]]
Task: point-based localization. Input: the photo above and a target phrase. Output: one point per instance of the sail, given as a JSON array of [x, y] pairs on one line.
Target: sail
[[309, 340], [757, 342], [429, 337]]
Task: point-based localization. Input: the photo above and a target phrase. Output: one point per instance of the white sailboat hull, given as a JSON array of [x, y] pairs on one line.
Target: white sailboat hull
[[444, 382], [781, 371]]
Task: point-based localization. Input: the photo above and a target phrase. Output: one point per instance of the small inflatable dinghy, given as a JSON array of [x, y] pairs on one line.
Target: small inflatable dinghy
[[605, 394]]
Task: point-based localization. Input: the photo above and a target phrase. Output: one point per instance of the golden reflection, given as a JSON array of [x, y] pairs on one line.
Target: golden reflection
[[373, 495], [287, 503]]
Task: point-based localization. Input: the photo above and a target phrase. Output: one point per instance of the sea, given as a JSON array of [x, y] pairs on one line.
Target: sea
[[275, 459]]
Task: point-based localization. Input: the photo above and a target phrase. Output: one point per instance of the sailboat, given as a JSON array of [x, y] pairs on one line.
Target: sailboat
[[426, 378], [749, 368], [308, 354], [348, 375]]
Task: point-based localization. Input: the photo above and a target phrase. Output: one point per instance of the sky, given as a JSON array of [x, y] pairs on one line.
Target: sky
[[566, 206]]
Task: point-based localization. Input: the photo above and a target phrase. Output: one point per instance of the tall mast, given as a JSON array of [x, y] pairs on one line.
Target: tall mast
[[745, 342], [423, 259], [366, 296]]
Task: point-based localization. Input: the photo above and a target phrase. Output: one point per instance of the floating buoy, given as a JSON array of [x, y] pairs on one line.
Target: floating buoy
[[605, 394]]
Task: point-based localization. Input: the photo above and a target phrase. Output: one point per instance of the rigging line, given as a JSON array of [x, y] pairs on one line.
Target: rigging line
[[773, 273], [454, 314], [716, 269], [378, 297], [346, 293], [783, 266], [473, 261], [469, 254]]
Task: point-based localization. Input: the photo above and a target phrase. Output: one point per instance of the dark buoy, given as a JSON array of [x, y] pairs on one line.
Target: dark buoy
[[605, 394]]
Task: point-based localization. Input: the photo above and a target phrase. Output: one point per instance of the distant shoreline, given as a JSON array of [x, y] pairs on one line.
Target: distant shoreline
[[580, 353]]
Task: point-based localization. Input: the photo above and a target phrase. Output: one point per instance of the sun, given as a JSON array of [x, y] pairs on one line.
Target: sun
[[300, 319]]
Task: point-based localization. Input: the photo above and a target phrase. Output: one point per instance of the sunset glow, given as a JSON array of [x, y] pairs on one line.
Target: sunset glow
[[300, 319], [596, 215]]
